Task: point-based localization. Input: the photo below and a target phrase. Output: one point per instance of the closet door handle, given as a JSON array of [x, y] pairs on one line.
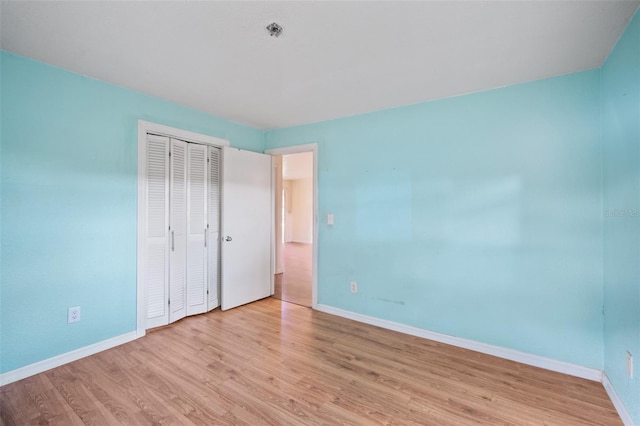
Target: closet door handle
[[173, 247], [205, 237]]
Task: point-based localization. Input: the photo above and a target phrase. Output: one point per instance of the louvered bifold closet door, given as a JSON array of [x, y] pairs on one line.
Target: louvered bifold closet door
[[196, 229], [178, 231], [213, 246], [156, 267]]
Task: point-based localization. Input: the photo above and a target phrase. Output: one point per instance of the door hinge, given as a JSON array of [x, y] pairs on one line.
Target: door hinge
[[169, 302], [169, 153], [207, 291]]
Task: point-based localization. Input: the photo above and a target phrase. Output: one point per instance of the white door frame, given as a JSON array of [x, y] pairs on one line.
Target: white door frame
[[295, 149], [145, 127]]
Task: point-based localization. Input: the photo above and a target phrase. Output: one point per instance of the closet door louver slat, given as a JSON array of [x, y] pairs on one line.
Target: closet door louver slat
[[213, 211], [178, 232], [157, 202], [196, 228]]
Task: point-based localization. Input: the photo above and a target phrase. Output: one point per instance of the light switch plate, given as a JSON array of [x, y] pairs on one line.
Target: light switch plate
[[330, 219]]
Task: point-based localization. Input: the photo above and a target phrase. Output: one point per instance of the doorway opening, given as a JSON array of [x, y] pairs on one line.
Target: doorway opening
[[294, 226]]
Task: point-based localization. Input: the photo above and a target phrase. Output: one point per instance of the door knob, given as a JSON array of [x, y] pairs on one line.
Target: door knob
[[228, 238]]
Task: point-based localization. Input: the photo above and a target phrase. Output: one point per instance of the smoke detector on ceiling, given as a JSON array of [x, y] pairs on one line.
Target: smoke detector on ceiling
[[274, 29]]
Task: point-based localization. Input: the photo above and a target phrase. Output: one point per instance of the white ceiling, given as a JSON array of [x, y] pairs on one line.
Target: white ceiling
[[334, 59]]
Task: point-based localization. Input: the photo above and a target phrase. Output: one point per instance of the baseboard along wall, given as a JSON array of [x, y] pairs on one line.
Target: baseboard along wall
[[56, 361], [510, 354], [617, 402]]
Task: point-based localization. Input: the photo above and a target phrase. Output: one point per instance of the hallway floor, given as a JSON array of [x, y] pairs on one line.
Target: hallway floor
[[294, 285]]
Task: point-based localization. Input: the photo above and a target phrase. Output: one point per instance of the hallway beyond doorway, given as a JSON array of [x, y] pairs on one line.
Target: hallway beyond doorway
[[294, 285]]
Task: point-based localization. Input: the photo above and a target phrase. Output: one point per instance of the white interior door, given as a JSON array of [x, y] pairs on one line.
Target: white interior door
[[178, 231], [246, 225], [196, 229]]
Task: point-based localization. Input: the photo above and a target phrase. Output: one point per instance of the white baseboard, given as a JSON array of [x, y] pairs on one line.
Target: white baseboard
[[510, 354], [56, 361], [617, 402]]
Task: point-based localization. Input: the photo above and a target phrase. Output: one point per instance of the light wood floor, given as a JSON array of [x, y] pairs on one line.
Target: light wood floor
[[277, 363], [294, 285]]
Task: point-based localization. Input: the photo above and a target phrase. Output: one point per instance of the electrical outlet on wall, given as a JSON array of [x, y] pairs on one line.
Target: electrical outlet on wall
[[629, 365], [73, 315], [354, 286]]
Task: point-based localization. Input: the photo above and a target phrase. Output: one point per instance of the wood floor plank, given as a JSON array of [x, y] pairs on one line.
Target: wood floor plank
[[78, 397], [42, 402], [276, 363], [114, 400], [294, 284], [419, 382]]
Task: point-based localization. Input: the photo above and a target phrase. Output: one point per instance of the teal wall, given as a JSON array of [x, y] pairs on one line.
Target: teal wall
[[477, 216], [621, 177], [69, 200]]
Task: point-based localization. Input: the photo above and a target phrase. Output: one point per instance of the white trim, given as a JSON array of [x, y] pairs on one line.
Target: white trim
[[510, 354], [617, 402], [274, 237], [58, 360], [295, 149], [145, 127]]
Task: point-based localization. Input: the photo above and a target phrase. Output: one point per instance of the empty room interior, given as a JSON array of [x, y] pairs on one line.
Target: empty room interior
[[318, 212]]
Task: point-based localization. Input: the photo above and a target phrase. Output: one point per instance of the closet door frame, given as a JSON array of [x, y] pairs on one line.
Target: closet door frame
[[144, 128]]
